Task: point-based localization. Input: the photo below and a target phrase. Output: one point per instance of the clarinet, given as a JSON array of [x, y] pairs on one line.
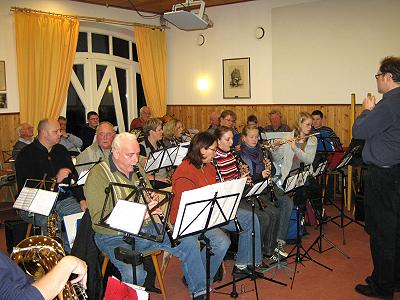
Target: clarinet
[[168, 229], [241, 165]]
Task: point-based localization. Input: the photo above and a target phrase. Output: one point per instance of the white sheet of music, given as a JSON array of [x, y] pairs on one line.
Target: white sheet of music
[[127, 216], [258, 187], [71, 222], [153, 161], [36, 200], [182, 151], [195, 214]]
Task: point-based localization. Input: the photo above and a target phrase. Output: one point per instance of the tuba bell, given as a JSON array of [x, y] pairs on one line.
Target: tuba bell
[[37, 255]]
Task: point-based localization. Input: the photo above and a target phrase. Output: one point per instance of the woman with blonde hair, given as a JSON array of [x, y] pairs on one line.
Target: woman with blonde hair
[[172, 132]]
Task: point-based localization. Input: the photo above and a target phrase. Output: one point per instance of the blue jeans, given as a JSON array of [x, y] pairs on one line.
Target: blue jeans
[[285, 205], [244, 254], [187, 252], [65, 207], [219, 243]]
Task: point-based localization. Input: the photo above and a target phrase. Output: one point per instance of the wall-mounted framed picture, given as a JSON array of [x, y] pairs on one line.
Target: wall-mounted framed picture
[[2, 75], [3, 100], [236, 78]]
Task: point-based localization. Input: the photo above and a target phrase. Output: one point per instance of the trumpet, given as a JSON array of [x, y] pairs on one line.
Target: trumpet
[[271, 146]]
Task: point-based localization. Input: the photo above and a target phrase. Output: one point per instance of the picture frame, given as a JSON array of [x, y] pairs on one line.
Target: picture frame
[[3, 86], [236, 78], [3, 100]]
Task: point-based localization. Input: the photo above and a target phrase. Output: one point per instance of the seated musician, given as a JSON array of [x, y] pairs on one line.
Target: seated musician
[[119, 168], [276, 125], [172, 133], [68, 140], [15, 284], [298, 149], [25, 137], [228, 119], [259, 168], [46, 158], [196, 171], [144, 115], [326, 132], [100, 149], [153, 135], [88, 131]]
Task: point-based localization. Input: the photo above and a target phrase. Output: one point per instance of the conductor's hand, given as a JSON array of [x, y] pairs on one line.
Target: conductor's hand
[[369, 102], [62, 174]]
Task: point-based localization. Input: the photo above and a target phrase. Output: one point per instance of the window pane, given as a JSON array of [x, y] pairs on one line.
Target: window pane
[[78, 69], [82, 45], [121, 79], [106, 107], [100, 43], [134, 53], [120, 48], [141, 100], [100, 70], [75, 112]]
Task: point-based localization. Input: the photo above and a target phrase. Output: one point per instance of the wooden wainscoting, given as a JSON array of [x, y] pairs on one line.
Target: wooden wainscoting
[[8, 131], [337, 116]]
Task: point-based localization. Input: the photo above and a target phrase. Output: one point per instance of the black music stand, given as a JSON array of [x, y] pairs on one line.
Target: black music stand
[[252, 196], [211, 211], [138, 195], [163, 158], [339, 168], [37, 197], [319, 171], [293, 182]]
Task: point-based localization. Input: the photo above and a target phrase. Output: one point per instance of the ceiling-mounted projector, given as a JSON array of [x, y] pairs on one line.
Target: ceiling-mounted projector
[[187, 20]]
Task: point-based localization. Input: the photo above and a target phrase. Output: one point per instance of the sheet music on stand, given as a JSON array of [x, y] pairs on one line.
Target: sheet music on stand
[[34, 199], [166, 157], [128, 215], [320, 169], [346, 158], [195, 207], [296, 178], [258, 188]]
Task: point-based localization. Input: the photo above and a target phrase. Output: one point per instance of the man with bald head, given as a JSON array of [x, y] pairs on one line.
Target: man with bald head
[[46, 158], [25, 137], [100, 149], [144, 115], [120, 168]]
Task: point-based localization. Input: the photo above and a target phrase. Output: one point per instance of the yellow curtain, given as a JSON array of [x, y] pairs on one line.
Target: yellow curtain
[[46, 47], [152, 53]]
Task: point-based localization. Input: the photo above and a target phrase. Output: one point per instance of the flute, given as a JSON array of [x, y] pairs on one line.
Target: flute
[[277, 143]]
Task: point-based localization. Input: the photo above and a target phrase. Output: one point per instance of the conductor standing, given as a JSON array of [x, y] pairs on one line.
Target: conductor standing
[[379, 126]]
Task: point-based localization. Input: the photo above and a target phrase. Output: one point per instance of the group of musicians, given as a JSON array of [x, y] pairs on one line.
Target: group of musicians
[[223, 154]]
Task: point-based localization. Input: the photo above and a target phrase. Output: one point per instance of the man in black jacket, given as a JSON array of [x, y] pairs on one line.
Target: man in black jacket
[[45, 159]]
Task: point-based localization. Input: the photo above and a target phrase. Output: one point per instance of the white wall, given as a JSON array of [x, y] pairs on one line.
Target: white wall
[[7, 32], [324, 51], [313, 52]]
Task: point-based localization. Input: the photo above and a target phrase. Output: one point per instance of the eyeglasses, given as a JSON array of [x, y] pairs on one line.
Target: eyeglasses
[[379, 74]]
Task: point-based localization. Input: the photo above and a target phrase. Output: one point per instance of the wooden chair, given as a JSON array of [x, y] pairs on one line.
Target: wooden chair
[[159, 275]]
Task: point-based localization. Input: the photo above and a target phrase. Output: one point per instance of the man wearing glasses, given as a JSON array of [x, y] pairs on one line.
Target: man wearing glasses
[[379, 126]]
